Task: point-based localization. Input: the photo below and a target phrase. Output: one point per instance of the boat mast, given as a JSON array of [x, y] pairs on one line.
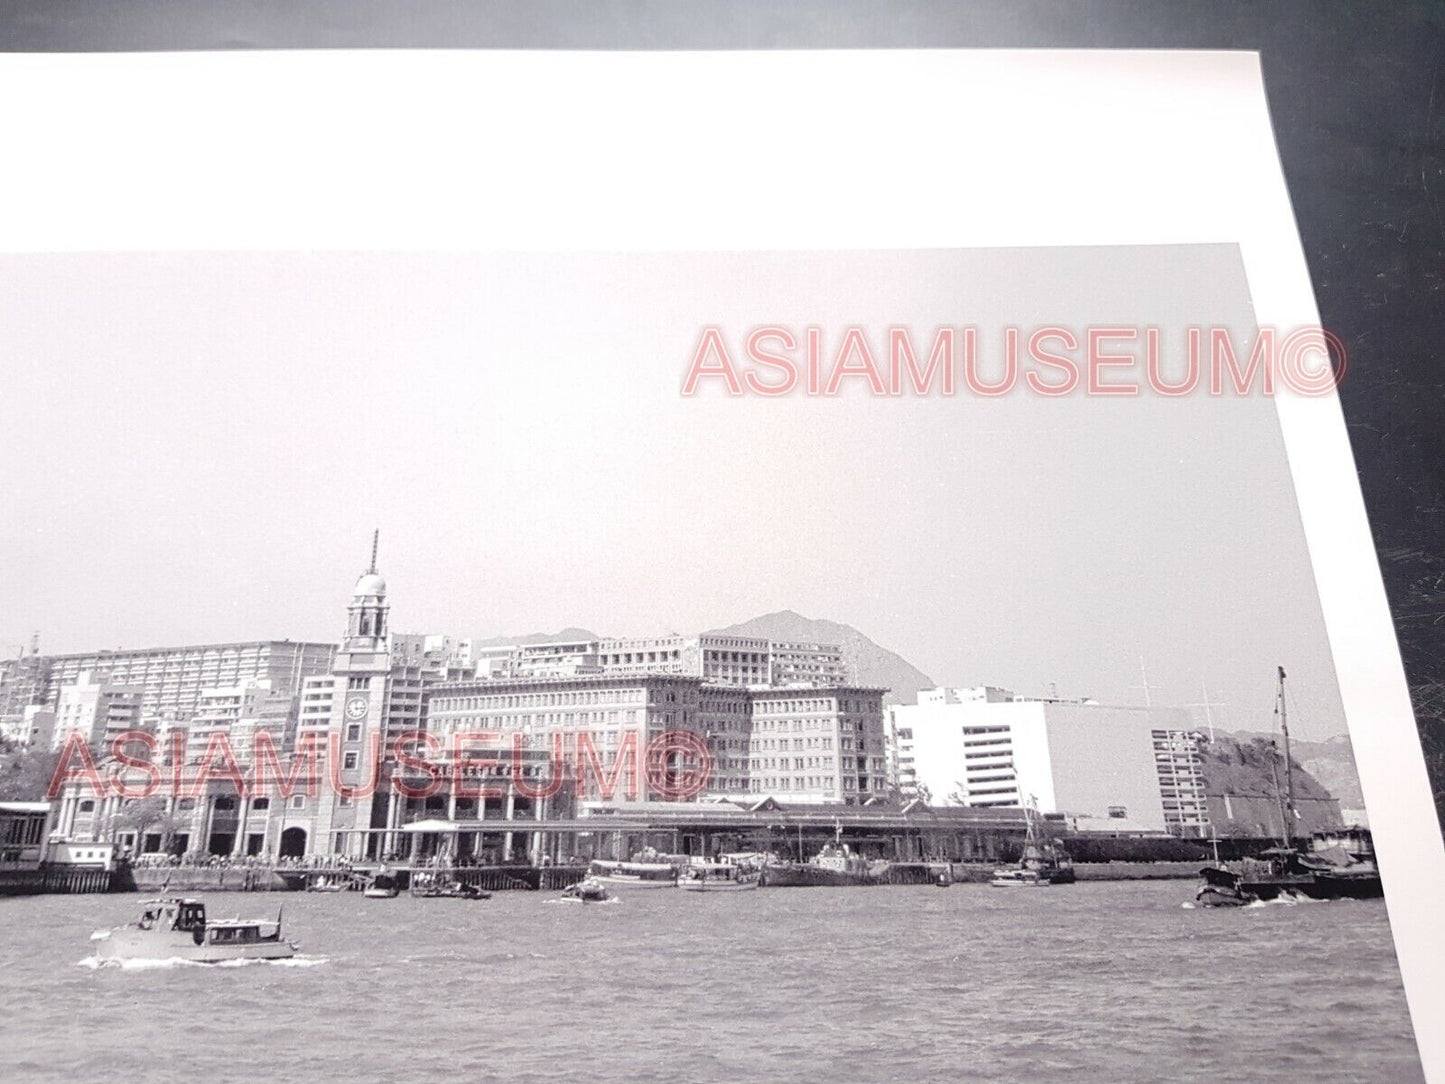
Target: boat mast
[[1288, 771], [1278, 795]]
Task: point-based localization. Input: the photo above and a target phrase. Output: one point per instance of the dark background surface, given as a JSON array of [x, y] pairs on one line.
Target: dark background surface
[[1359, 112]]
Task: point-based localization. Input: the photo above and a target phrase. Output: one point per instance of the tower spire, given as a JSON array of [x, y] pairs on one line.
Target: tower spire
[[375, 538]]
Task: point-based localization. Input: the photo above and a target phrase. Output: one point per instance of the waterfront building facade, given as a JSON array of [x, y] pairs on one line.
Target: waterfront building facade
[[615, 718], [818, 743], [1071, 757], [608, 715]]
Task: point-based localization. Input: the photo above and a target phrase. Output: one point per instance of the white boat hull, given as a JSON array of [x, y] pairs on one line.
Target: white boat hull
[[622, 881], [717, 886], [128, 944]]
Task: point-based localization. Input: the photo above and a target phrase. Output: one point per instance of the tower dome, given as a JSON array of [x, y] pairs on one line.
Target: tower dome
[[366, 620], [370, 585]]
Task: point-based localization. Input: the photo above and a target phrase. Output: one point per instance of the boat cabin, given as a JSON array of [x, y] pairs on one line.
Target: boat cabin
[[173, 914]]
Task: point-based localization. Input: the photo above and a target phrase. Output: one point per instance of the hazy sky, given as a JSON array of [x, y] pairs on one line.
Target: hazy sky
[[198, 447]]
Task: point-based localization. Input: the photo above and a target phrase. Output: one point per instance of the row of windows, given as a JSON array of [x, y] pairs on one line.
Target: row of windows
[[494, 702]]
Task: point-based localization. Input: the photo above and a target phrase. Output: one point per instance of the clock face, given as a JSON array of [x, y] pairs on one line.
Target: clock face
[[356, 707]]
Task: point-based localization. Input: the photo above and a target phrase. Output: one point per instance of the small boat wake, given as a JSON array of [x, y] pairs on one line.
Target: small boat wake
[[1284, 899], [611, 901], [95, 963]]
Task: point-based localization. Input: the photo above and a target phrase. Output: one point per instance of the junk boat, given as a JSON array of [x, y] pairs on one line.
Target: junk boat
[[630, 875], [718, 877], [1336, 863], [1043, 861], [587, 890], [176, 928]]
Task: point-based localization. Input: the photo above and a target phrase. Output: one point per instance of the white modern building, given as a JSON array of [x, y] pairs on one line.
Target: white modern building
[[97, 709], [1072, 757]]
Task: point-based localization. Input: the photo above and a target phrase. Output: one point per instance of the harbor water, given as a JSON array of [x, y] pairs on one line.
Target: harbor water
[[1094, 981]]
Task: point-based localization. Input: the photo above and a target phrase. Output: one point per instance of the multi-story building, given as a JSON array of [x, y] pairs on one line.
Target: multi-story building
[[599, 723], [23, 681], [240, 712], [33, 727], [609, 715], [814, 744], [728, 660], [446, 658], [1069, 756], [806, 664], [173, 679], [820, 743], [719, 659], [97, 709], [645, 655]]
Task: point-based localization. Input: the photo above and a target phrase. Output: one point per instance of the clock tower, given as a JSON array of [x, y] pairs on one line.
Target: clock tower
[[363, 683]]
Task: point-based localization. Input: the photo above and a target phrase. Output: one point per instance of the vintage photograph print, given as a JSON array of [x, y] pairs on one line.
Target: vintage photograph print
[[687, 666]]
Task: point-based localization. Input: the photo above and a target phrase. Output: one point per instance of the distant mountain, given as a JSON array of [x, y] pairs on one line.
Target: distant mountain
[[1332, 762], [869, 663], [538, 638]]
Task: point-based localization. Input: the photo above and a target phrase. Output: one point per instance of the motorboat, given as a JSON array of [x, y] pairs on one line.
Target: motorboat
[[438, 886], [587, 890], [176, 928], [383, 886], [718, 877], [629, 875]]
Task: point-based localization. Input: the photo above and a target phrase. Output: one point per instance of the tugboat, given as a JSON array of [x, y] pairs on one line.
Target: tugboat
[[835, 866], [1043, 862], [175, 928], [587, 890], [718, 877], [1222, 888]]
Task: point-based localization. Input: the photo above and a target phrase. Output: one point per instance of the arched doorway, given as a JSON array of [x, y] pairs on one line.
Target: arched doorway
[[293, 843]]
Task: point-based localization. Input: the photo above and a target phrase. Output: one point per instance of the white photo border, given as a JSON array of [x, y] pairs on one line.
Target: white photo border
[[778, 150]]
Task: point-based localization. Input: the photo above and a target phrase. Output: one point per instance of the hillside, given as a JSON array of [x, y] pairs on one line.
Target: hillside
[[566, 635], [1331, 762], [869, 663], [1243, 794]]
